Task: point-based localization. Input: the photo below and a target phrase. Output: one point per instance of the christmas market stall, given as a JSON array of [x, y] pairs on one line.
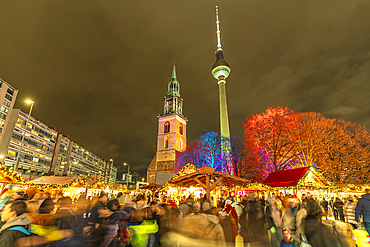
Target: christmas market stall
[[153, 188], [258, 188], [69, 186], [208, 179], [9, 177], [115, 188], [299, 181]]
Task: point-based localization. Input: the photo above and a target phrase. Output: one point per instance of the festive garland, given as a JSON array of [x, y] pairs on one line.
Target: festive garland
[[12, 175], [179, 173], [59, 186]]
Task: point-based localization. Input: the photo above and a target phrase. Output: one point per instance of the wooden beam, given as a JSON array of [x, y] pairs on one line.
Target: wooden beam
[[208, 188], [215, 183], [200, 183]]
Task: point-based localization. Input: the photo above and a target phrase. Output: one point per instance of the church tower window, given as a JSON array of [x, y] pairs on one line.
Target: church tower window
[[167, 127], [166, 144], [181, 129]]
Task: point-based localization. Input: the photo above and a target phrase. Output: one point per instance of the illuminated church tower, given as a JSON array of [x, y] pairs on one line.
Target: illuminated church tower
[[171, 132], [221, 71]]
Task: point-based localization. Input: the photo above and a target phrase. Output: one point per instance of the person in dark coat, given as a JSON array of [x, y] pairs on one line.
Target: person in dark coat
[[252, 223], [319, 235], [363, 210], [14, 223], [338, 206], [325, 204]]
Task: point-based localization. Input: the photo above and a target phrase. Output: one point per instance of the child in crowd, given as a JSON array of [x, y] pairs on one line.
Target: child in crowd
[[288, 241]]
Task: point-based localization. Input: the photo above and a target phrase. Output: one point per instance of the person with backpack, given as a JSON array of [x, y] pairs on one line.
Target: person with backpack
[[14, 223]]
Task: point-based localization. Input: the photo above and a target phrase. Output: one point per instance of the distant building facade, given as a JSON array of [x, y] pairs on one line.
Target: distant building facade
[[171, 132], [46, 152], [36, 154], [8, 95]]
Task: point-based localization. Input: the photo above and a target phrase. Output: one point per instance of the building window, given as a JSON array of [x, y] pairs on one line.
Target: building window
[[8, 97], [6, 103], [3, 116], [166, 144], [181, 129], [10, 91], [167, 127], [4, 109], [2, 123]]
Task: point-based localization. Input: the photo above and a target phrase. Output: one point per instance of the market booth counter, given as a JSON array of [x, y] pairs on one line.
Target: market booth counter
[[299, 181], [208, 179], [70, 186], [258, 188]]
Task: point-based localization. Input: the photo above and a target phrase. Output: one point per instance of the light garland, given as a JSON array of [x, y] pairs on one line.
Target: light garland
[[179, 173], [12, 175]]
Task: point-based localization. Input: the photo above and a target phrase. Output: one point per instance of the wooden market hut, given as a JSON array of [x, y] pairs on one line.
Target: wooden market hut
[[8, 176], [298, 179], [56, 184], [208, 179], [154, 188]]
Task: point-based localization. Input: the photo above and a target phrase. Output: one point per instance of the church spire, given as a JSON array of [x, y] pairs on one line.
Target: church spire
[[173, 77], [173, 102]]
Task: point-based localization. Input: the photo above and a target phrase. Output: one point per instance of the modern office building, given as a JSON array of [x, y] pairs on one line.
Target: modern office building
[[46, 152], [8, 94], [38, 144]]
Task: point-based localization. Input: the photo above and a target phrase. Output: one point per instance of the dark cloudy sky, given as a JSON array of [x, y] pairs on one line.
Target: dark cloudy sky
[[98, 70]]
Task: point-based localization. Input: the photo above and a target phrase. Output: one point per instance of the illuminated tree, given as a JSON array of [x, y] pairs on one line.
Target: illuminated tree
[[270, 138], [206, 151]]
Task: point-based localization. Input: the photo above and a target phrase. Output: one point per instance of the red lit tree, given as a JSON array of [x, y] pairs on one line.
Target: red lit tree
[[270, 138]]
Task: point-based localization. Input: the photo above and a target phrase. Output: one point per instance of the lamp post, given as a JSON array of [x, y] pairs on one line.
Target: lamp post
[[23, 134], [128, 173]]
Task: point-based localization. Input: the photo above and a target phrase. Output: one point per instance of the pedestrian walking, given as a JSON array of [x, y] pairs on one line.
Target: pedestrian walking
[[363, 210]]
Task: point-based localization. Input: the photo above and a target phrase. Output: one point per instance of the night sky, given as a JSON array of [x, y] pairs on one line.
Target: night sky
[[98, 70]]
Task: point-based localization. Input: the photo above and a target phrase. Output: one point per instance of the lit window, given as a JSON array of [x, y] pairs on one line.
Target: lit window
[[4, 109], [181, 129], [167, 127]]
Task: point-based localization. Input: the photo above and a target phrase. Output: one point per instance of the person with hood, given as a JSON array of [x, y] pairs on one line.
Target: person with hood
[[233, 220], [350, 212], [363, 210], [14, 223]]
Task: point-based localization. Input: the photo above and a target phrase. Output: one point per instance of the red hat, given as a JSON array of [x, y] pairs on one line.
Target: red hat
[[286, 229], [172, 203]]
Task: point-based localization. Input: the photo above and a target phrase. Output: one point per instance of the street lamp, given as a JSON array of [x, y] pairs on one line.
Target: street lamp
[[128, 173], [24, 132]]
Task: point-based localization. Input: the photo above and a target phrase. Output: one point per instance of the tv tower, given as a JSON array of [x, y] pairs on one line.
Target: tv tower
[[221, 71]]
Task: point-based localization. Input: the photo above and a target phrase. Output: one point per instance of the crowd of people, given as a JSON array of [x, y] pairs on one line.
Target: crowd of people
[[141, 220]]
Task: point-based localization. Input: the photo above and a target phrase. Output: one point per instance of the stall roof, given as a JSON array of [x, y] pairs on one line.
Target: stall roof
[[193, 179], [162, 178], [296, 177], [54, 182]]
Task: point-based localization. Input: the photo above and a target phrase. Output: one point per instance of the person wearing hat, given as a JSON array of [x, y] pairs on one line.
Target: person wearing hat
[[350, 212], [288, 240]]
